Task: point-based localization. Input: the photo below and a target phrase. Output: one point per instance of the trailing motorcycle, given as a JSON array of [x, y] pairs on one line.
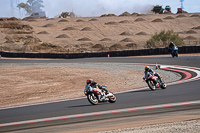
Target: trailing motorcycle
[[92, 96], [155, 82]]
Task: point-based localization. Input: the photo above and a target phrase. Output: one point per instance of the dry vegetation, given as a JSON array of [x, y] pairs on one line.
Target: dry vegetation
[[110, 31]]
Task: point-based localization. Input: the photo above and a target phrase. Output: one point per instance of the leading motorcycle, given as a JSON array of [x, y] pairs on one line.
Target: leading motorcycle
[[92, 96], [174, 51]]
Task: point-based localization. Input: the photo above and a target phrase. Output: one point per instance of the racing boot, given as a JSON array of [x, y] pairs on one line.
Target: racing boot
[[160, 80], [106, 91], [101, 98]]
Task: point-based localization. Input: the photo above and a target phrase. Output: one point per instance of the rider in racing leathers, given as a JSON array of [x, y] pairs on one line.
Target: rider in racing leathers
[[171, 47], [91, 84], [150, 71]]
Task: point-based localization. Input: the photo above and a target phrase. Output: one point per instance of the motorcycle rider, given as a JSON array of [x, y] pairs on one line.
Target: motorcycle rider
[[91, 84], [148, 71], [171, 47]]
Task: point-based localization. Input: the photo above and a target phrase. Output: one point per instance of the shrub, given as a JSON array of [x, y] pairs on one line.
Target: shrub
[[163, 39]]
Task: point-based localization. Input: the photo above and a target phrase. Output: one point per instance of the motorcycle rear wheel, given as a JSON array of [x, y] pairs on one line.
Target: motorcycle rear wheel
[[92, 98], [151, 85], [112, 99]]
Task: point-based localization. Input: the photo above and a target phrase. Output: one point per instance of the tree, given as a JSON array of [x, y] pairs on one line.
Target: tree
[[24, 6], [31, 6], [163, 39]]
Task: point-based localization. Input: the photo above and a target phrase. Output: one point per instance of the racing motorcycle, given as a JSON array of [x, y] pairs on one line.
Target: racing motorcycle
[[174, 51], [154, 82], [92, 96]]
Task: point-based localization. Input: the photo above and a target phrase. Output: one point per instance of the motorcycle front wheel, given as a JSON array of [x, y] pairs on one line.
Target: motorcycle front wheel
[[151, 85], [163, 86], [112, 99], [92, 98], [176, 54]]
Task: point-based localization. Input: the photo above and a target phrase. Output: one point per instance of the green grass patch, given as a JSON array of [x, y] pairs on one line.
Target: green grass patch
[[163, 39]]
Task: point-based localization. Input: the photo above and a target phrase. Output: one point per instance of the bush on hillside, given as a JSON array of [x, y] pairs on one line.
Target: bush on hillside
[[163, 39]]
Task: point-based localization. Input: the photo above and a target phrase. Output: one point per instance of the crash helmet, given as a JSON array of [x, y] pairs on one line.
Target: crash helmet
[[89, 81], [146, 68], [171, 43]]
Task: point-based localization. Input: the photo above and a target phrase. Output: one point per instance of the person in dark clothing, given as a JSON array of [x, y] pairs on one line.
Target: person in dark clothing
[[171, 46]]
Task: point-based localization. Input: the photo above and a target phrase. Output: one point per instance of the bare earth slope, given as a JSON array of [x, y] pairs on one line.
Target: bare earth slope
[[81, 34]]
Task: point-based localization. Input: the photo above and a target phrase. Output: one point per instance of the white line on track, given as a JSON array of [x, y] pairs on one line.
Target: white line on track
[[101, 113]]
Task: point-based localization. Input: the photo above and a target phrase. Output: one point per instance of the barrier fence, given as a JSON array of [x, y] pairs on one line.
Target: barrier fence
[[141, 52]]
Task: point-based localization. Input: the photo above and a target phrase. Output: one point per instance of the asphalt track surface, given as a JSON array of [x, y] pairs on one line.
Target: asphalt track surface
[[139, 102]]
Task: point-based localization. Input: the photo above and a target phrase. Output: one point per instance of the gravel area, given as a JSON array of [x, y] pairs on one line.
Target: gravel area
[[168, 76], [192, 126]]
